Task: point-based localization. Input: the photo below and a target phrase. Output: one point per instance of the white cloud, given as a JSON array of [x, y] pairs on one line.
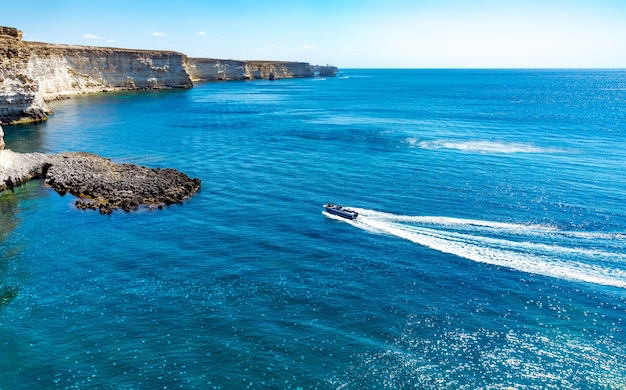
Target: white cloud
[[91, 36], [305, 47], [202, 33], [159, 34], [269, 48]]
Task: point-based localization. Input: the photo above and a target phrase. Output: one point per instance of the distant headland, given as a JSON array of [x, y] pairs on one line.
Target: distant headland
[[32, 73]]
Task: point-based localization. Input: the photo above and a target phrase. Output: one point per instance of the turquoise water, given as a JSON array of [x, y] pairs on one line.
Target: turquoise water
[[490, 251]]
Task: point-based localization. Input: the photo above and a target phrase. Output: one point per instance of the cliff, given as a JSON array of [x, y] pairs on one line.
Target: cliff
[[65, 69], [326, 71], [32, 73], [211, 69], [19, 97]]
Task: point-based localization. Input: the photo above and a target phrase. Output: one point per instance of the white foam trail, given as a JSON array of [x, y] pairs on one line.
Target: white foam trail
[[502, 243], [476, 224], [480, 146], [449, 221], [537, 249]]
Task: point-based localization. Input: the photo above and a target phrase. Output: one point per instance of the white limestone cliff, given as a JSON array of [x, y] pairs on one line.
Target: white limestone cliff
[[19, 97], [211, 69], [32, 73], [66, 69]]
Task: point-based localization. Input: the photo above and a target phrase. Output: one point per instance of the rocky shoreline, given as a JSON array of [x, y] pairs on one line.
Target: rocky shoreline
[[99, 183]]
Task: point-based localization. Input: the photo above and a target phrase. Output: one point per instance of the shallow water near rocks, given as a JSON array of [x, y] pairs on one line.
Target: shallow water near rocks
[[490, 250]]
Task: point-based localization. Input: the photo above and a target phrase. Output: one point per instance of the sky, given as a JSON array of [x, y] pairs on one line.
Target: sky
[[344, 33]]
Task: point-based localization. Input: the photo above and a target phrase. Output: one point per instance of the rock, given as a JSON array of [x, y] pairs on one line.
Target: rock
[[1, 138], [326, 71], [106, 186], [98, 183], [11, 32], [16, 168]]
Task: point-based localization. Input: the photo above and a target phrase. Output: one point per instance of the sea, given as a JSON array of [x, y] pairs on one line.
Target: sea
[[489, 253]]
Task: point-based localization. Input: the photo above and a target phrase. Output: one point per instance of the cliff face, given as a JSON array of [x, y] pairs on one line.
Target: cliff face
[[19, 97], [65, 69], [278, 70], [210, 69], [31, 73], [326, 71]]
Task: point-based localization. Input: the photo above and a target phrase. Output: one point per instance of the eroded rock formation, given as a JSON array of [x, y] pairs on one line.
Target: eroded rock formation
[[326, 71], [99, 183], [212, 69], [103, 185]]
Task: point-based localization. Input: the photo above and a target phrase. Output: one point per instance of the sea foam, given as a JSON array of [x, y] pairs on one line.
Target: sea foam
[[480, 146], [536, 249]]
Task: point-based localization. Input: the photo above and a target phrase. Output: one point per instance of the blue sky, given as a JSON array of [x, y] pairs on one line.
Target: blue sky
[[349, 33]]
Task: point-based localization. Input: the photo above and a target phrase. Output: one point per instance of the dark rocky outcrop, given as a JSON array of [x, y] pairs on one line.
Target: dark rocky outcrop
[[11, 32], [98, 182], [103, 185]]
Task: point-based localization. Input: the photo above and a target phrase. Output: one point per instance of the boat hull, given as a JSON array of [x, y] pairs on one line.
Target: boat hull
[[340, 211]]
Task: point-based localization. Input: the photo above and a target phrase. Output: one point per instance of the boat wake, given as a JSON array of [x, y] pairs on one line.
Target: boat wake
[[591, 257], [480, 146]]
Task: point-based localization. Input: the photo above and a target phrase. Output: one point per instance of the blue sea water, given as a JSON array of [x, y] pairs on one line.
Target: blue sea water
[[490, 252]]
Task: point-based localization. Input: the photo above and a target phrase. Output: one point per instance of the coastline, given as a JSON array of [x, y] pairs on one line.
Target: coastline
[[33, 73]]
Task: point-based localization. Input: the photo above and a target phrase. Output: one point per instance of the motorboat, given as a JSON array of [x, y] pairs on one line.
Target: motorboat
[[340, 211]]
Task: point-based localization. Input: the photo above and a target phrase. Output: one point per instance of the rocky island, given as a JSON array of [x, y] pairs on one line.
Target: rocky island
[[33, 73]]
